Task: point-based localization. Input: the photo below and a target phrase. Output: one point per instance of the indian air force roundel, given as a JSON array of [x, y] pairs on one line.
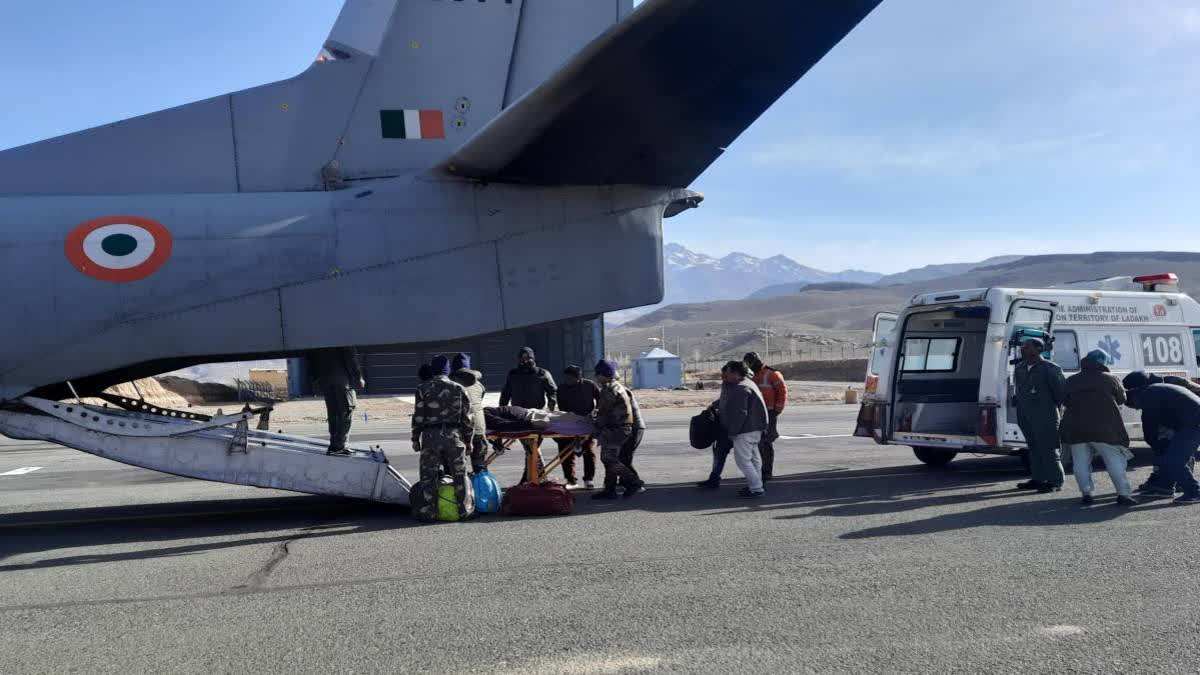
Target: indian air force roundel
[[119, 249]]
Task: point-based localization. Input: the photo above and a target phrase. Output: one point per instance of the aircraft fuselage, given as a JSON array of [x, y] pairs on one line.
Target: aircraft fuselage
[[107, 282]]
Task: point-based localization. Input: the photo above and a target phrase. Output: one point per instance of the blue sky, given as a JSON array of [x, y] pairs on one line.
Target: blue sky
[[938, 131]]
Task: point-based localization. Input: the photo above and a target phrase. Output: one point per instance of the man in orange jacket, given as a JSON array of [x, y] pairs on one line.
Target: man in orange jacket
[[774, 392]]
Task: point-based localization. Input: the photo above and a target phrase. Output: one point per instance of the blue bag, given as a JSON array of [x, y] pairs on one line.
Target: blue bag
[[488, 494]]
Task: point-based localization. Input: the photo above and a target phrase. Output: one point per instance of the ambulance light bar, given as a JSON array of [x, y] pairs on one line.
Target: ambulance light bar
[[1150, 282]]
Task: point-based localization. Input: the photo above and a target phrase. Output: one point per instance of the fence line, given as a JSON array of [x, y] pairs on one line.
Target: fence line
[[825, 353]]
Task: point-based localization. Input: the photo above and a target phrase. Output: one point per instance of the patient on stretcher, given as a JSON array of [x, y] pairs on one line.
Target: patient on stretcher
[[515, 420]]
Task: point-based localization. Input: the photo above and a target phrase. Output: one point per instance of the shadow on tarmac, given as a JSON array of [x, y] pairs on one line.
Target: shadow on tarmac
[[838, 492], [849, 493], [248, 522]]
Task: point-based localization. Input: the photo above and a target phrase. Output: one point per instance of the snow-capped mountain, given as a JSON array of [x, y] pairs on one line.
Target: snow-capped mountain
[[696, 277], [690, 276]]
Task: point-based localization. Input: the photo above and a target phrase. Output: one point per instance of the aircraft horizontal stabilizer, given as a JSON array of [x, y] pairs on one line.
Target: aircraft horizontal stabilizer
[[657, 98]]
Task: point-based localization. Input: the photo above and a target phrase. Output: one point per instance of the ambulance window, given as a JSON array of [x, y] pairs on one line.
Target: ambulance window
[[1196, 340], [1066, 350], [930, 355]]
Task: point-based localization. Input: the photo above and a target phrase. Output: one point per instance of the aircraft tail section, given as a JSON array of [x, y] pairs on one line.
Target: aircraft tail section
[[398, 85], [657, 98]]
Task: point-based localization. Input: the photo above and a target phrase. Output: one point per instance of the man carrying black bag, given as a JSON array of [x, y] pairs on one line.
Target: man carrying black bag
[[706, 432]]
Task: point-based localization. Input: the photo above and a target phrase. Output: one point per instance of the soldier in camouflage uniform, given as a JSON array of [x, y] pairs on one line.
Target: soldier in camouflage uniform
[[441, 425], [614, 426], [472, 381]]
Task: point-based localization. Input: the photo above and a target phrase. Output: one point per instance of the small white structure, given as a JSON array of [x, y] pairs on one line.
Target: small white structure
[[657, 368]]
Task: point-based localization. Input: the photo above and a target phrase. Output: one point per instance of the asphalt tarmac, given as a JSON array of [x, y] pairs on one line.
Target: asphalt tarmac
[[860, 559]]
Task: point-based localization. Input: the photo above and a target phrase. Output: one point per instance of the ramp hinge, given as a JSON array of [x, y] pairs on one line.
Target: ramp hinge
[[331, 176], [241, 433]]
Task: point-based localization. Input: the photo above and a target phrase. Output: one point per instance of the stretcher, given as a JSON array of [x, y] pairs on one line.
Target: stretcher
[[505, 440]]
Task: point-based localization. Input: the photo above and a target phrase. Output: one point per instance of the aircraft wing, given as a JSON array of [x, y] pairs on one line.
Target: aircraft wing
[[657, 98]]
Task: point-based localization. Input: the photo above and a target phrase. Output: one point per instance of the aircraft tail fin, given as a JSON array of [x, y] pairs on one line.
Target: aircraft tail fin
[[398, 85], [657, 98]]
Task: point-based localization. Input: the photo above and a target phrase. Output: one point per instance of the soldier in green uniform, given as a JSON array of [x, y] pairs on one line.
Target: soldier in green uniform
[[472, 381], [441, 426], [614, 426], [1040, 392]]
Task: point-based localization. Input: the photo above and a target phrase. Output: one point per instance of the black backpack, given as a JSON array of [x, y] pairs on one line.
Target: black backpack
[[704, 430]]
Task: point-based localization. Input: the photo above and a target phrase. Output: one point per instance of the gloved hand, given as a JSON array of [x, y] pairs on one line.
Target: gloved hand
[[416, 443]]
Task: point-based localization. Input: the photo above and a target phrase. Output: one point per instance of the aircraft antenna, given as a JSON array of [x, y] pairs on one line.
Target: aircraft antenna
[[75, 393]]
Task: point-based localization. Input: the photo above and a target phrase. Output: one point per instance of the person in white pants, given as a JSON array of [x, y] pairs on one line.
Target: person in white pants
[[749, 460], [1116, 459], [743, 416], [1092, 425]]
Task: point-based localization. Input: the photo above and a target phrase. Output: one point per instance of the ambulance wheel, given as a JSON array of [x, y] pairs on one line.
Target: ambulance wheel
[[933, 456]]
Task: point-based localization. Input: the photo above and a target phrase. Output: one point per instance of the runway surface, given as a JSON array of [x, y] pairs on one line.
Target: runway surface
[[860, 559]]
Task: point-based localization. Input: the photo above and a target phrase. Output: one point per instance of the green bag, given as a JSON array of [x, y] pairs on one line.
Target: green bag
[[447, 505]]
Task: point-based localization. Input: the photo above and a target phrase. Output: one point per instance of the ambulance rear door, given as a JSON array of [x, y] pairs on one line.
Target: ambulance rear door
[[1027, 318], [885, 323]]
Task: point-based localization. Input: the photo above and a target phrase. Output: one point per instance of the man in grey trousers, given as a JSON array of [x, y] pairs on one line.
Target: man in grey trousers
[[743, 416]]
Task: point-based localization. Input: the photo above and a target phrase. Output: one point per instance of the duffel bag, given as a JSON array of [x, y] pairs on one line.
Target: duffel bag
[[538, 499], [487, 492], [704, 430], [423, 510]]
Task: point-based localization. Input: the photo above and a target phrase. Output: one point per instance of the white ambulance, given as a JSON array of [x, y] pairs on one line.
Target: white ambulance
[[940, 376]]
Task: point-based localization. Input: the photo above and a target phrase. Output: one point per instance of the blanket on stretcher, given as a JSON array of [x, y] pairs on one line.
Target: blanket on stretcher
[[512, 421]]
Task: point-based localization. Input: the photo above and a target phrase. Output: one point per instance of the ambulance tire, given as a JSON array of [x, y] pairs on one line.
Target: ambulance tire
[[933, 456]]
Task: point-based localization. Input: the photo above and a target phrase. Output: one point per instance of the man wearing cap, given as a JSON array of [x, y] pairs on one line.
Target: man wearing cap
[[1040, 389], [338, 375], [774, 392], [529, 386], [1174, 408], [472, 381], [1157, 480], [441, 427], [578, 395], [614, 426], [1092, 425]]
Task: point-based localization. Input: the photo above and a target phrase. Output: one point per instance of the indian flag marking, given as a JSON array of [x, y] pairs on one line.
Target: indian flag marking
[[412, 124], [119, 249]]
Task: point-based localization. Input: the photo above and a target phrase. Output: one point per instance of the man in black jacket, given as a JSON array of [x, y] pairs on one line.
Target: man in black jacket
[[529, 386], [1168, 406], [1157, 480], [578, 395]]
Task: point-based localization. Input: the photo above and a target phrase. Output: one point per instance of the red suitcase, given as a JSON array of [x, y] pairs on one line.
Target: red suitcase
[[534, 499]]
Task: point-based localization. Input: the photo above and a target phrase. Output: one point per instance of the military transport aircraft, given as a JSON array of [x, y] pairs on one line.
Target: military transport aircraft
[[435, 149]]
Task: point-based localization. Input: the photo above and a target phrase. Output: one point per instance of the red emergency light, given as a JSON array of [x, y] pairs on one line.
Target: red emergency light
[[1165, 279]]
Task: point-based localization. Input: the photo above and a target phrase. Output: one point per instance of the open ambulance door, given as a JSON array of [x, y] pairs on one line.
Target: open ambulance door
[[872, 414], [1026, 319], [885, 323]]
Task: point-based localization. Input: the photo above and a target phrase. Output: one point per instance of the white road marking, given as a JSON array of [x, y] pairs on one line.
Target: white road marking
[[800, 438], [22, 470], [597, 664], [1060, 630]]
